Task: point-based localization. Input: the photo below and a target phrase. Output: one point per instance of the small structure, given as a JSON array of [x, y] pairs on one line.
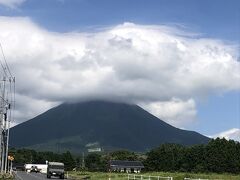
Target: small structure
[[126, 166], [42, 167], [95, 150]]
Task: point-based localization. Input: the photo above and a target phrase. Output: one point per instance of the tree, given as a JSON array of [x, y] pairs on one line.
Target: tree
[[94, 162], [194, 159], [123, 155], [69, 162], [222, 156], [167, 157]]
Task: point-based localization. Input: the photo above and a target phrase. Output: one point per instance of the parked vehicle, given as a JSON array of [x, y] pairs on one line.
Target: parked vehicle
[[55, 169], [34, 169]]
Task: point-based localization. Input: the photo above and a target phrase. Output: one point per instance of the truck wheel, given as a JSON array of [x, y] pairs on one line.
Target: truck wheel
[[49, 176], [62, 176]]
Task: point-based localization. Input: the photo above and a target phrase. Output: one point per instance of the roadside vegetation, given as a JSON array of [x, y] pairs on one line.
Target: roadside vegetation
[[6, 176], [176, 175], [219, 159]]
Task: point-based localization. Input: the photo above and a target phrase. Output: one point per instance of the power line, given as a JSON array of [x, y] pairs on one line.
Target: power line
[[6, 61], [7, 88], [4, 69]]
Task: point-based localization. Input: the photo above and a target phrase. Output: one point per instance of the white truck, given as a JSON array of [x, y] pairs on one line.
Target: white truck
[[55, 169]]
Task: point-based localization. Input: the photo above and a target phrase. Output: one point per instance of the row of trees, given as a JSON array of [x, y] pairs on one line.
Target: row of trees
[[100, 162], [23, 156], [219, 155]]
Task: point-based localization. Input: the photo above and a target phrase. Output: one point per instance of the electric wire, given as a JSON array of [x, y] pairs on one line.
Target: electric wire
[[8, 90], [4, 58]]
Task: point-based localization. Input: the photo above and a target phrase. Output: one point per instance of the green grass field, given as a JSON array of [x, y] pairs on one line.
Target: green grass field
[[176, 176]]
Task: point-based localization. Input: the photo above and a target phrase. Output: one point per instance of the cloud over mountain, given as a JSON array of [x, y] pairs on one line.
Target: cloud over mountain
[[162, 67], [175, 111]]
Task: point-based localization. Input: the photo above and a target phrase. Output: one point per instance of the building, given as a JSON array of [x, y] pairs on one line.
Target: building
[[95, 150], [126, 166], [42, 167]]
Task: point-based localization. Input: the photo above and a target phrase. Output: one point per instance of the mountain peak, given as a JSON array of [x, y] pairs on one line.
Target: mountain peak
[[111, 125]]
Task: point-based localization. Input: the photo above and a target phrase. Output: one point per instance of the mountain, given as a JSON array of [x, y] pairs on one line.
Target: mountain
[[98, 124]]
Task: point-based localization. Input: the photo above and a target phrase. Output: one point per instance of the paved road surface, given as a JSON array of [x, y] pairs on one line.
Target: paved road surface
[[21, 175]]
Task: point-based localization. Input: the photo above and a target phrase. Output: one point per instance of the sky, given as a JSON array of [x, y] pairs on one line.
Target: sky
[[178, 59]]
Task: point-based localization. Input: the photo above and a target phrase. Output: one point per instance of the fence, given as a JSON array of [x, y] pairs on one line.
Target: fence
[[141, 177]]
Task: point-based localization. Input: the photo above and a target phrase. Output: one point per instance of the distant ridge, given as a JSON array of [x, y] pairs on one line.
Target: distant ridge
[[98, 124]]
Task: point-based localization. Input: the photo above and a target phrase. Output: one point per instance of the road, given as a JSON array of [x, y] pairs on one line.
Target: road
[[21, 175]]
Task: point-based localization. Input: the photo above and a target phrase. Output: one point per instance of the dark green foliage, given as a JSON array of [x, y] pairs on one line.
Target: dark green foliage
[[218, 156], [95, 162], [123, 155], [223, 156], [111, 125], [100, 162], [79, 164], [23, 156], [194, 159], [49, 156], [168, 157], [68, 160]]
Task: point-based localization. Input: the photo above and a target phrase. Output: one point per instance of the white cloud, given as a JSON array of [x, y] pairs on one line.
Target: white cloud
[[233, 134], [12, 124], [11, 3], [175, 112], [28, 107], [129, 62]]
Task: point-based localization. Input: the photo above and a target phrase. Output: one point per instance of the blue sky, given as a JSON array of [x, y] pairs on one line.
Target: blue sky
[[219, 112], [216, 19]]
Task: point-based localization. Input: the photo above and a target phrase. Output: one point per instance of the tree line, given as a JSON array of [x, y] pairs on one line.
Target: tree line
[[25, 156], [219, 155]]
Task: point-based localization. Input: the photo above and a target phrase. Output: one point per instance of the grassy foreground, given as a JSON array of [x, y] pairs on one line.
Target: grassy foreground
[[176, 176], [6, 176]]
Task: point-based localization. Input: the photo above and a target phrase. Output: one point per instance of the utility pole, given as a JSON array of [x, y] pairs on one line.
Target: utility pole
[[7, 140], [5, 118], [6, 94], [2, 138], [4, 157], [83, 161], [8, 119]]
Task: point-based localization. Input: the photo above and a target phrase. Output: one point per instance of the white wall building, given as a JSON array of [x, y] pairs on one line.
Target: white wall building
[[41, 167]]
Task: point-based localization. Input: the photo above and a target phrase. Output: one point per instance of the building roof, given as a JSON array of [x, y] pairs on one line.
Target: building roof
[[126, 164]]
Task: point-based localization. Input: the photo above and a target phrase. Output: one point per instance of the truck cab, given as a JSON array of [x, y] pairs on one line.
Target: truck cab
[[55, 169]]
